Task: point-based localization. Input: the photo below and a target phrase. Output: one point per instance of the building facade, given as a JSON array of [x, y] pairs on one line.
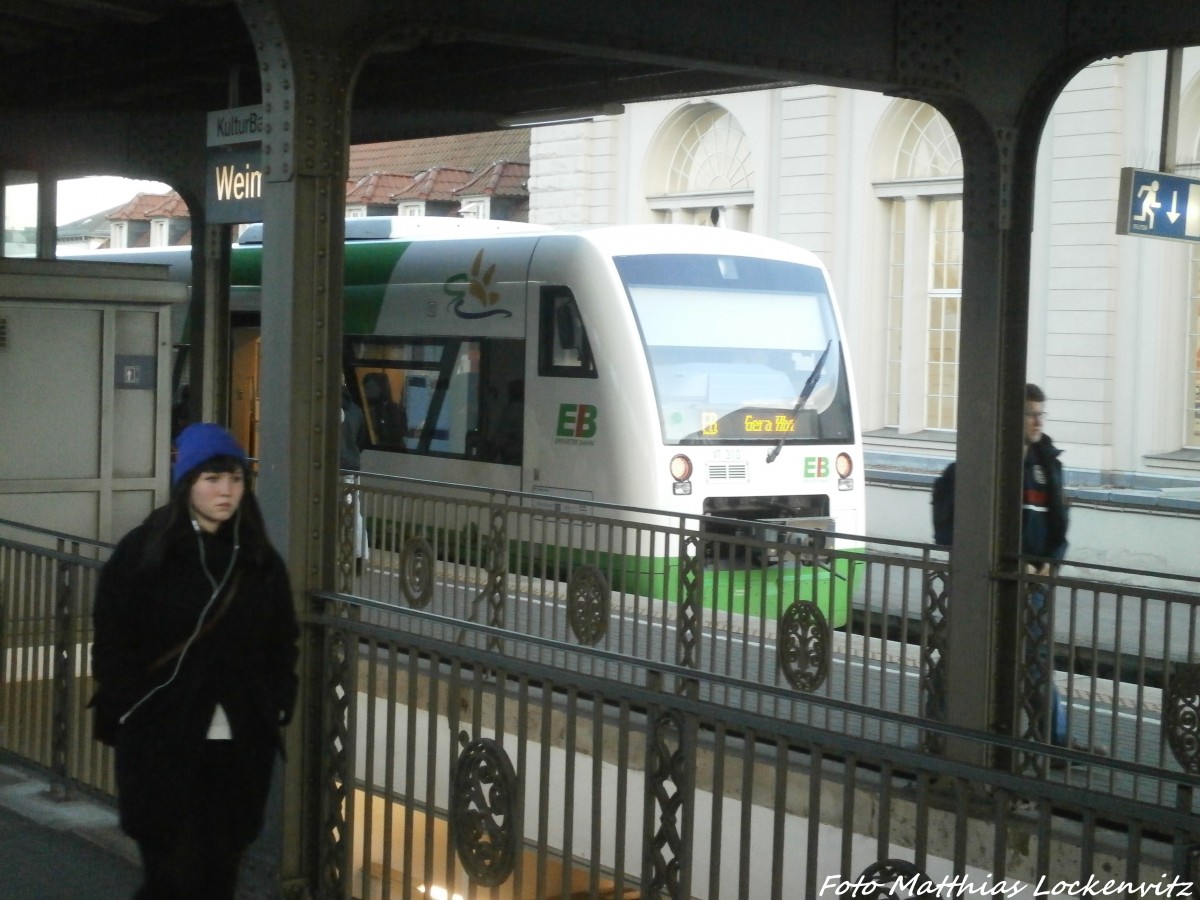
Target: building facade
[[873, 185]]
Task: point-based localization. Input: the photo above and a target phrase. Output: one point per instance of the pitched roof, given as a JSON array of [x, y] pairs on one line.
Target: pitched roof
[[492, 163], [437, 183], [500, 179], [464, 151], [152, 206], [378, 187]]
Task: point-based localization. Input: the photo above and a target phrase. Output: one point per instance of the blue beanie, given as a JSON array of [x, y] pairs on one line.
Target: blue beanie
[[198, 444]]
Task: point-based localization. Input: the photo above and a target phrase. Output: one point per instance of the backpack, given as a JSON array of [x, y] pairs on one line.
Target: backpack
[[943, 507]]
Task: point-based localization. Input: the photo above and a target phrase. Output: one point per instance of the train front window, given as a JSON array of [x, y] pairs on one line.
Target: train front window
[[740, 350]]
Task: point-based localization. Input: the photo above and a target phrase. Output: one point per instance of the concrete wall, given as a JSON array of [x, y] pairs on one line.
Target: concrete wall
[[1102, 532]]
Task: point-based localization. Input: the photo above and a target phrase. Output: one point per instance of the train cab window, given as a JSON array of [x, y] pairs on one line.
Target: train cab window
[[563, 348]]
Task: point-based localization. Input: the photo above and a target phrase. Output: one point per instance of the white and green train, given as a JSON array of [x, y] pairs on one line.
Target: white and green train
[[686, 369]]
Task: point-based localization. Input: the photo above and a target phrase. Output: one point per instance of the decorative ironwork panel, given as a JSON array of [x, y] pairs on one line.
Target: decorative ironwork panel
[[691, 584], [1036, 670], [804, 645], [900, 877], [345, 535], [1181, 717], [62, 677], [589, 603], [417, 562], [934, 611], [497, 566], [336, 776], [483, 799], [667, 769]]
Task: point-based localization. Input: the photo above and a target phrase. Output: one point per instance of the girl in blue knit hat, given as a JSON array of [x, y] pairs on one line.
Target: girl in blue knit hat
[[194, 655]]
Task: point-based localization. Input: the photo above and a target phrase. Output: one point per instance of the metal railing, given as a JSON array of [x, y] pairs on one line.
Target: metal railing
[[47, 580], [1122, 651], [672, 696], [1124, 648], [453, 768]]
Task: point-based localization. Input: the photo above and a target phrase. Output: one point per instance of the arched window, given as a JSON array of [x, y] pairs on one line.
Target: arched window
[[1191, 437], [918, 167], [1188, 163], [928, 147], [700, 169]]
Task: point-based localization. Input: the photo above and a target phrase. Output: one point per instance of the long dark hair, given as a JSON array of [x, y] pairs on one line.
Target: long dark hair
[[172, 524]]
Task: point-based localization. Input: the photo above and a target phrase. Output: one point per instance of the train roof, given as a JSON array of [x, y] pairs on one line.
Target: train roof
[[614, 240], [634, 240], [610, 240], [382, 228]]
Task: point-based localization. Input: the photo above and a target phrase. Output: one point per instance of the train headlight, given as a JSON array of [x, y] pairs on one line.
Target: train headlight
[[844, 465], [681, 467]]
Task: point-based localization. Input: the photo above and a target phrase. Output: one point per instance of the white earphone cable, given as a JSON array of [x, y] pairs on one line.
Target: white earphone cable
[[217, 587]]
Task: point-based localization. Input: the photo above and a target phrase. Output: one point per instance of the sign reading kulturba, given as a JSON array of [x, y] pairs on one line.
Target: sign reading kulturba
[[234, 183]]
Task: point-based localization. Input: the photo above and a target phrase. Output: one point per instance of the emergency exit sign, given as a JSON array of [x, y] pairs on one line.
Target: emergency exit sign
[[1157, 204]]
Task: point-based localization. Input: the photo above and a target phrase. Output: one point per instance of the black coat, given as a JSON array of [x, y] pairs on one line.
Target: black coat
[[245, 662]]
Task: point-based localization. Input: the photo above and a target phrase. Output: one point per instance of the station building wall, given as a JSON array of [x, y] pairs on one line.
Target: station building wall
[[870, 183]]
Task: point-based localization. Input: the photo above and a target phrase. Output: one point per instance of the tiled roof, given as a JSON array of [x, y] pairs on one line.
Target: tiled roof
[[378, 187], [501, 179], [493, 163], [152, 206], [463, 151], [437, 183]]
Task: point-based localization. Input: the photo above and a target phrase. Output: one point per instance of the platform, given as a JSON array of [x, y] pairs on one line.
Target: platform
[[60, 849]]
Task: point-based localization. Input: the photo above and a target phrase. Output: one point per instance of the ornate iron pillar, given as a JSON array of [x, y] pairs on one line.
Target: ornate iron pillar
[[982, 619], [307, 61], [208, 326]]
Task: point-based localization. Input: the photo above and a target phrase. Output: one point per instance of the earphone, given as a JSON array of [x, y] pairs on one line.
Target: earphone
[[216, 592]]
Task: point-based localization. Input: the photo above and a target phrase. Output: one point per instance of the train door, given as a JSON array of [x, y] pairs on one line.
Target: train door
[[561, 420], [244, 413]]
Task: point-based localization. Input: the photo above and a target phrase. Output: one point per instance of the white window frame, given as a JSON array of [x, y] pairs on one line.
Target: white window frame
[[475, 208], [908, 281], [160, 232]]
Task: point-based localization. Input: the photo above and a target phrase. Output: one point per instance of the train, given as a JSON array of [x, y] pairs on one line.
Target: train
[[689, 369]]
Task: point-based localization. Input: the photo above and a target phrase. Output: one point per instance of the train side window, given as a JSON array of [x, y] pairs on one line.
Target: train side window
[[386, 420], [563, 347], [441, 396], [501, 435], [380, 373]]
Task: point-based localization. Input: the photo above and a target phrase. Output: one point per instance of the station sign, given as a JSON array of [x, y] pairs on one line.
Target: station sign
[[234, 160], [1158, 204]]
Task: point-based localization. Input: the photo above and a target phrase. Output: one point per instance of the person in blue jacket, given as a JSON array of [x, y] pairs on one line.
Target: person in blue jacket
[[194, 654], [1043, 535], [1044, 521]]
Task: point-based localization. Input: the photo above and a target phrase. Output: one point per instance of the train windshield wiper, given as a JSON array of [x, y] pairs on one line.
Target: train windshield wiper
[[805, 393]]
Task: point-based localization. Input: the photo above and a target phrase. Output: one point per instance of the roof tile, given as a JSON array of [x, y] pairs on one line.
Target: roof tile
[[464, 151]]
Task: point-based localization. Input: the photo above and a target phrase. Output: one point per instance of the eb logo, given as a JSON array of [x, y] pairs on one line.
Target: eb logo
[[576, 420], [816, 467]]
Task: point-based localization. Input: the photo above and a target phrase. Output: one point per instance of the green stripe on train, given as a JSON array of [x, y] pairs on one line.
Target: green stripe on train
[[368, 272], [755, 592]]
